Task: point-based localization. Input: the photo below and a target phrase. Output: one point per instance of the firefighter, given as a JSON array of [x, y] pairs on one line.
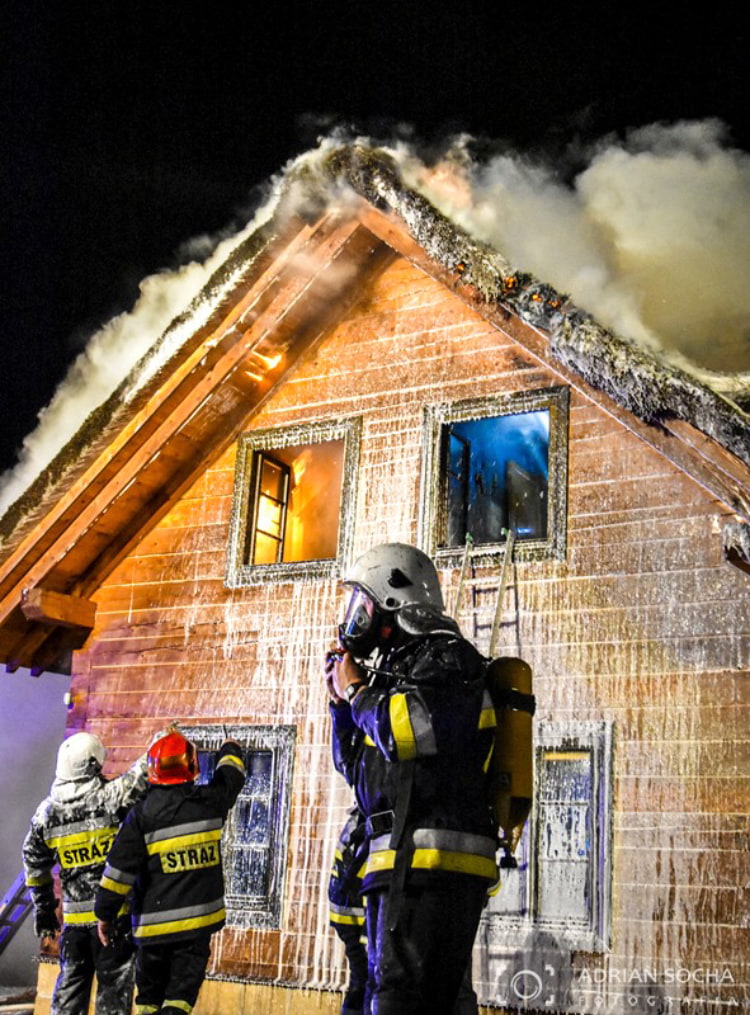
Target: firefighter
[[413, 729], [74, 827], [346, 908], [167, 855]]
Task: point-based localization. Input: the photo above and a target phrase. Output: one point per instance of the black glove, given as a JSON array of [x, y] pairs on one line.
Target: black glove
[[46, 923]]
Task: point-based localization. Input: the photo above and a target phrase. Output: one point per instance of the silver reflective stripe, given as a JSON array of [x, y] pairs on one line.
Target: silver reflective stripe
[[346, 910], [74, 827], [117, 875], [382, 842], [176, 831], [454, 842], [421, 724], [166, 915], [84, 906]]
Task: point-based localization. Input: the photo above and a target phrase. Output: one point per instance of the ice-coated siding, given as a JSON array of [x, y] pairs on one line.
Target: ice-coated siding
[[643, 623]]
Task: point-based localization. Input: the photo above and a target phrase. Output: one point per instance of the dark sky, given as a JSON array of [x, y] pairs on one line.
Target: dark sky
[[128, 128]]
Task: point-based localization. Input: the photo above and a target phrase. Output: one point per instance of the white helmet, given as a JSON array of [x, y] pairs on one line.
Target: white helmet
[[396, 575], [388, 582], [80, 757]]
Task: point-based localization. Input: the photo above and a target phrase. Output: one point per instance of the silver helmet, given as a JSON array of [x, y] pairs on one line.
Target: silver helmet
[[387, 582], [396, 575]]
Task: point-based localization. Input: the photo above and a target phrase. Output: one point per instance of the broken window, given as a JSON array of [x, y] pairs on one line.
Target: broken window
[[291, 513], [562, 884], [254, 842], [495, 466]]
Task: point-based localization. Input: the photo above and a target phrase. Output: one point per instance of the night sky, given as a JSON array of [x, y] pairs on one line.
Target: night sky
[[129, 128]]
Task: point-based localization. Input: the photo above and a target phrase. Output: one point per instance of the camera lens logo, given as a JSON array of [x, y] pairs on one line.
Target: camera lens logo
[[526, 985]]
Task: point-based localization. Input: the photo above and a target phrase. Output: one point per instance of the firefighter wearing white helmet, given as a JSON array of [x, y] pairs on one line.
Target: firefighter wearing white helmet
[[413, 728], [74, 828]]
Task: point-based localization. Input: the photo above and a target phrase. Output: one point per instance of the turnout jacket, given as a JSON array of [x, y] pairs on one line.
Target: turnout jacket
[[75, 826], [168, 855], [415, 745]]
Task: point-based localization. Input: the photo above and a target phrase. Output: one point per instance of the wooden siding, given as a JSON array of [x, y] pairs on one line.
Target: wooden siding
[[643, 623]]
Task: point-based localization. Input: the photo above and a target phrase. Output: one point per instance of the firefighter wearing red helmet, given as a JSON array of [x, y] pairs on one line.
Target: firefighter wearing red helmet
[[171, 760], [167, 857], [74, 827], [413, 729]]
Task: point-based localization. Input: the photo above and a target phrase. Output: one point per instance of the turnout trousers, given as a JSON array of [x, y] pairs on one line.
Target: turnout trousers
[[81, 956], [356, 956], [418, 967], [168, 977]]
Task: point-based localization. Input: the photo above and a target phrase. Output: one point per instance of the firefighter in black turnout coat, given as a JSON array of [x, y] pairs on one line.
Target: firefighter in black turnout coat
[[168, 855], [74, 827], [414, 742]]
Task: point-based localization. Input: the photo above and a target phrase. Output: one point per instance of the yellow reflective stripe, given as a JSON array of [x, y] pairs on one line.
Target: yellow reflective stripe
[[182, 1005], [88, 917], [35, 881], [488, 759], [230, 759], [115, 886], [487, 719], [437, 859], [180, 841], [173, 926], [369, 742], [403, 734], [350, 920], [146, 1009], [460, 863], [383, 860], [81, 838], [82, 849]]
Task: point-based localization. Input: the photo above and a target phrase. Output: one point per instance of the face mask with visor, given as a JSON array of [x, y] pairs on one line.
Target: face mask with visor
[[359, 631]]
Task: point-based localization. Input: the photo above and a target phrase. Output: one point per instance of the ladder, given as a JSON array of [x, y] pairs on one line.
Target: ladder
[[490, 582], [14, 909]]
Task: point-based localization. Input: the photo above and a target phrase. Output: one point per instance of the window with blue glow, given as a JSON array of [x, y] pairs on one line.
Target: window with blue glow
[[494, 466]]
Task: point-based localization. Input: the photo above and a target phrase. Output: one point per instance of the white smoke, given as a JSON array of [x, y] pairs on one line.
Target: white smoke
[[652, 238], [113, 351]]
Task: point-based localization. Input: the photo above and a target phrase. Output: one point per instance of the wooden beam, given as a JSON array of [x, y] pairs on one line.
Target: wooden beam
[[56, 609]]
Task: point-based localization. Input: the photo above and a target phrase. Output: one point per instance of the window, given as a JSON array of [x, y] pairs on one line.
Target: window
[[563, 881], [293, 491], [492, 466], [254, 843]]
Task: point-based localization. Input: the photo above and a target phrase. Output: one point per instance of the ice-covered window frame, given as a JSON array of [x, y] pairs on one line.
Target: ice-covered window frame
[[495, 464], [255, 839], [293, 502], [563, 883]]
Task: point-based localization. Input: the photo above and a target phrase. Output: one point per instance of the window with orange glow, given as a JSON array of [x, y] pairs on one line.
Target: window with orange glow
[[297, 503], [293, 495]]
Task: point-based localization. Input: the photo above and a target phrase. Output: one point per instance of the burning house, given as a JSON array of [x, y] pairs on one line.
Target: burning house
[[361, 370]]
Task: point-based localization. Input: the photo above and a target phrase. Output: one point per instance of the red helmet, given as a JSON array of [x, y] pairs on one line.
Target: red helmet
[[172, 759]]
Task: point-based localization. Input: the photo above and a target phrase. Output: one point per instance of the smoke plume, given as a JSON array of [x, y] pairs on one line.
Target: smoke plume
[[652, 237]]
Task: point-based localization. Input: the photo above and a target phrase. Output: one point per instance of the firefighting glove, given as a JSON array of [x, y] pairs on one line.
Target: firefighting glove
[[46, 923]]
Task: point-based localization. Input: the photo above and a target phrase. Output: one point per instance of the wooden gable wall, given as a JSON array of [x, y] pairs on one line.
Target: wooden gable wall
[[643, 623]]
